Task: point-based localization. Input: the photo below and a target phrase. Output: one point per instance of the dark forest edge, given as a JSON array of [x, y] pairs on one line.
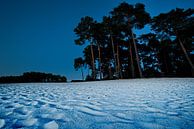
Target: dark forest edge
[[30, 77], [115, 51]]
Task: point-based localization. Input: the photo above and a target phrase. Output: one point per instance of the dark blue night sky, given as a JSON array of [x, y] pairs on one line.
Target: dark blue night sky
[[37, 35]]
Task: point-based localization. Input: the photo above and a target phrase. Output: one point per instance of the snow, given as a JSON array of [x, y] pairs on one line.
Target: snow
[[137, 103], [2, 123], [25, 123], [90, 111], [51, 125], [29, 122]]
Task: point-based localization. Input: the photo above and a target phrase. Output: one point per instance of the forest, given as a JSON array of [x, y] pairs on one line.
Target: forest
[[33, 77], [115, 48]]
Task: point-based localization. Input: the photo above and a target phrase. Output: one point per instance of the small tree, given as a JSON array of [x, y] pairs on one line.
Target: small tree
[[78, 64]]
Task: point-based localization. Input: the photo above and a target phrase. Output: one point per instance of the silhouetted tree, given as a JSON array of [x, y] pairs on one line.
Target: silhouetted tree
[[130, 17], [120, 53], [108, 31], [177, 23], [84, 31], [150, 49], [79, 64]]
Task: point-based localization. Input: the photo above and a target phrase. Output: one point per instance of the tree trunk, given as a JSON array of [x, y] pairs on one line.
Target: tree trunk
[[118, 65], [131, 61], [110, 71], [166, 65], [82, 73], [93, 64], [137, 56], [99, 56], [187, 56], [113, 50]]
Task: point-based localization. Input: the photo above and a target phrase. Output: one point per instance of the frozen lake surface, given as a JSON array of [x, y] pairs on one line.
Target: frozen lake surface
[[119, 104]]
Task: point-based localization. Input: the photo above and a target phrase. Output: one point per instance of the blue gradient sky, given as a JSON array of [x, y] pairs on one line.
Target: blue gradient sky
[[37, 35]]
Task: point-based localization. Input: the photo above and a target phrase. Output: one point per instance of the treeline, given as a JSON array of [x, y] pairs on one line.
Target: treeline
[[115, 50], [33, 77]]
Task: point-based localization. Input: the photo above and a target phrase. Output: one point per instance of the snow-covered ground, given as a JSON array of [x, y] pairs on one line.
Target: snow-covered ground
[[119, 104]]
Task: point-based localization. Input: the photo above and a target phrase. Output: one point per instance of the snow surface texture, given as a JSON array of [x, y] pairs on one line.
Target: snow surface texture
[[119, 104]]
